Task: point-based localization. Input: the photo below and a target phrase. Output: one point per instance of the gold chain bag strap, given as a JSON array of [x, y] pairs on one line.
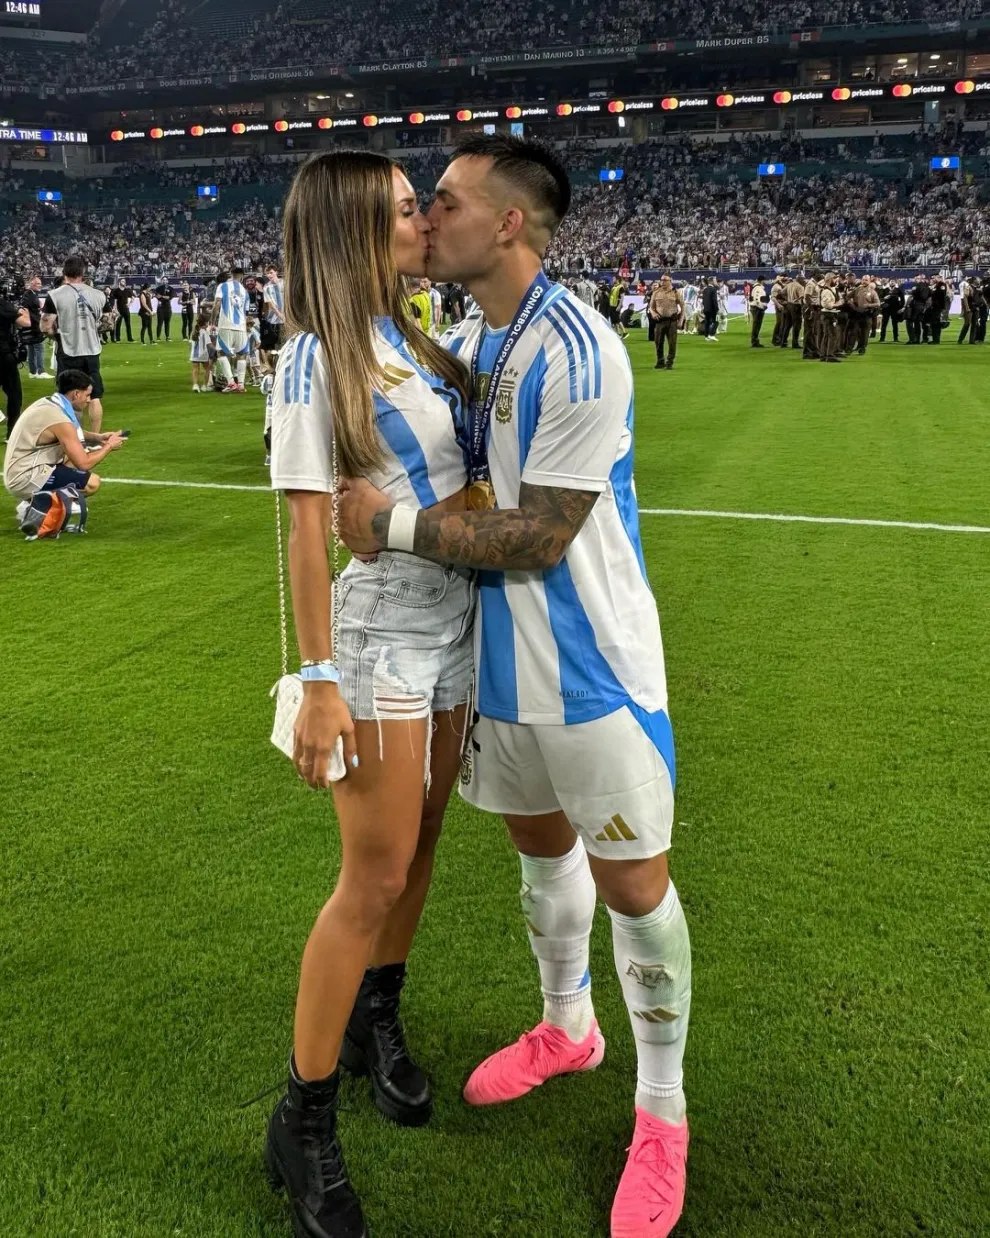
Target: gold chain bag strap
[[288, 692]]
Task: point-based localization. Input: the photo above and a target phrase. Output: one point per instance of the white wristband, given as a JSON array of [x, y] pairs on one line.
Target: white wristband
[[402, 529]]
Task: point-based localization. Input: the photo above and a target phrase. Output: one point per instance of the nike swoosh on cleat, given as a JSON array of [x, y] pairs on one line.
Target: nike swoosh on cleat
[[591, 1054]]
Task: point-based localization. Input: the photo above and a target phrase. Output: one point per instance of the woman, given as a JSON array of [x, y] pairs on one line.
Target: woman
[[144, 312], [359, 385], [187, 302]]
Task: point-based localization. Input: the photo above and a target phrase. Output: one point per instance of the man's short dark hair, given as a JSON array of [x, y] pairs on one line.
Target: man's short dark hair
[[73, 380], [75, 267], [237, 271], [529, 166]]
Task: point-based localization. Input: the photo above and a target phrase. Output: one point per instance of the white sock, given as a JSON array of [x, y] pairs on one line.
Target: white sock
[[241, 370], [653, 959], [558, 900], [223, 365]]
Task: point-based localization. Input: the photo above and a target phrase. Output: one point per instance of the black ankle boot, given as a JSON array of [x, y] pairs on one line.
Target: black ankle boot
[[303, 1156], [375, 1045]]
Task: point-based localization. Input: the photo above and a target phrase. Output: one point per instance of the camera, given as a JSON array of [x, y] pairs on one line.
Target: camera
[[11, 287]]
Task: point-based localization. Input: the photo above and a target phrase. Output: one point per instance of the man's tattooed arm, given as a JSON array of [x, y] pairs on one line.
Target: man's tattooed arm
[[529, 538]]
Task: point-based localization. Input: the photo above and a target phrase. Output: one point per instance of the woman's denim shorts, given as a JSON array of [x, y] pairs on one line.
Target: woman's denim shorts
[[405, 637]]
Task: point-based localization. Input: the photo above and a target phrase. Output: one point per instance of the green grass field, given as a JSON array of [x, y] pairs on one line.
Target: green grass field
[[162, 864]]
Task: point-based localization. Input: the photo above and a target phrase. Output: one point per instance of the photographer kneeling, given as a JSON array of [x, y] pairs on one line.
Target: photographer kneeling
[[47, 448]]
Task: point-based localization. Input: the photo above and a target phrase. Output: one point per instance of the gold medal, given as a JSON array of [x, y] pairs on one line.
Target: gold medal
[[480, 496]]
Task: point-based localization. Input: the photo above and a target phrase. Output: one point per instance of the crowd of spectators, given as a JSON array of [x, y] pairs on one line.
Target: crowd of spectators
[[185, 37], [683, 204]]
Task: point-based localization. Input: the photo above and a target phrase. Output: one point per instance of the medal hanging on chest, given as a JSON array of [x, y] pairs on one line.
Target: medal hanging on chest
[[481, 492]]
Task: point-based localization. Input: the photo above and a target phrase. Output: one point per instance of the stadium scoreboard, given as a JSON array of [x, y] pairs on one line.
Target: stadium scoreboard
[[945, 163], [771, 169], [49, 195], [207, 191], [612, 174]]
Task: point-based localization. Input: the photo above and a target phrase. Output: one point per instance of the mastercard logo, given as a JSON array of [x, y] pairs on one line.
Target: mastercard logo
[[965, 88], [196, 131], [782, 96], [281, 126], [902, 90], [465, 114], [117, 135], [369, 122], [238, 128], [156, 133], [564, 109], [324, 123], [513, 113], [840, 93], [616, 106], [416, 118], [669, 105], [725, 100]]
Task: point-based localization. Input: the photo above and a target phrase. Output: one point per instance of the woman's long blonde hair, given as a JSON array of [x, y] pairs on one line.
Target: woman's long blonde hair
[[340, 274]]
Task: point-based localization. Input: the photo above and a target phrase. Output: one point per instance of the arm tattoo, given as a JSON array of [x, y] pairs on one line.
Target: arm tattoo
[[531, 537]]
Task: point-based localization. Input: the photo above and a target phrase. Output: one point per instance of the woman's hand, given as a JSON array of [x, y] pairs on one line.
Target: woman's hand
[[323, 717]]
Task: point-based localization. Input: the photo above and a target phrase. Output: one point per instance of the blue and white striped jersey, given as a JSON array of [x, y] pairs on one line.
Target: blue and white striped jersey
[[233, 299], [272, 297], [420, 423], [580, 640]]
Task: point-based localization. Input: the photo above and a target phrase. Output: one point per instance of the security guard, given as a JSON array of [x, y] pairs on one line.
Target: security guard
[[779, 309], [666, 311], [757, 308], [794, 298], [813, 316], [830, 304], [865, 304]]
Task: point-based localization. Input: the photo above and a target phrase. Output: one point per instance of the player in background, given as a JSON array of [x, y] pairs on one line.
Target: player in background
[[254, 351], [273, 317], [230, 318], [436, 305]]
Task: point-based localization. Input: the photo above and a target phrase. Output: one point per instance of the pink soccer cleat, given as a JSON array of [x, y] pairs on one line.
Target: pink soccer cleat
[[650, 1197], [535, 1057]]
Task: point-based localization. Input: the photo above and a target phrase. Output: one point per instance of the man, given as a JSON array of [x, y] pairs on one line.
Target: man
[[615, 295], [230, 319], [13, 318], [778, 298], [573, 743], [831, 306], [47, 449], [938, 308], [812, 313], [72, 311], [892, 311], [690, 305], [273, 319], [709, 307], [917, 309], [122, 304], [585, 291], [978, 290], [666, 311], [32, 336], [163, 314], [793, 303], [757, 309], [865, 303], [436, 306], [187, 307], [422, 305]]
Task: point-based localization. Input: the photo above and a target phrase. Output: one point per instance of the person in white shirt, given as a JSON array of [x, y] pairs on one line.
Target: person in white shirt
[[387, 659], [573, 744], [199, 353], [436, 301], [230, 314]]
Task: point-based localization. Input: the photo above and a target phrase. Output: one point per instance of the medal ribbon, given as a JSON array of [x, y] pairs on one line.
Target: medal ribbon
[[480, 417]]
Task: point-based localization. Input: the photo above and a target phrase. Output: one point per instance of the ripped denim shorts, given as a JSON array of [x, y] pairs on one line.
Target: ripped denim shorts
[[405, 638]]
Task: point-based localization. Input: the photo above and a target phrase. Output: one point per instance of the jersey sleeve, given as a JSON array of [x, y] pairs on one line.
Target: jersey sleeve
[[302, 426], [578, 436]]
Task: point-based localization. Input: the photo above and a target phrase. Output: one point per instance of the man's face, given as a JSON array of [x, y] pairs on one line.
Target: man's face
[[665, 283], [465, 220], [271, 273], [35, 284], [80, 399]]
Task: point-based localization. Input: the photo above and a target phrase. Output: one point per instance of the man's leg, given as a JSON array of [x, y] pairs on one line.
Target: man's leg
[[242, 361], [10, 383], [670, 330]]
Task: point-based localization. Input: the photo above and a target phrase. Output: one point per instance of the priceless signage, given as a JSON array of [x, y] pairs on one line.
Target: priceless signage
[[573, 109], [54, 137]]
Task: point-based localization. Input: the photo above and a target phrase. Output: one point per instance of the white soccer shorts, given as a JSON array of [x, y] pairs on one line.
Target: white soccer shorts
[[606, 775], [232, 343]]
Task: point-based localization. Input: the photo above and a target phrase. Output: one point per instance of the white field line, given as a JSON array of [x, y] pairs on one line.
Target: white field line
[[774, 517]]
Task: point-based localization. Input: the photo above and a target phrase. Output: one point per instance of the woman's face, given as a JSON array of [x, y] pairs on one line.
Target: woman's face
[[411, 228]]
